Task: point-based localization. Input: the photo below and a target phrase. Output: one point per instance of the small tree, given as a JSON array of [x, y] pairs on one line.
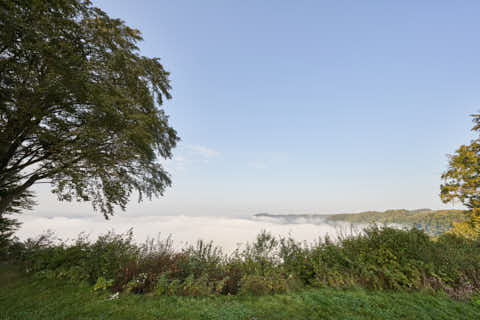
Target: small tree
[[461, 181], [79, 106]]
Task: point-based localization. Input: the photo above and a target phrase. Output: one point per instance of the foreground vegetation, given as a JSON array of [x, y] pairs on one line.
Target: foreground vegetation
[[25, 297], [378, 258]]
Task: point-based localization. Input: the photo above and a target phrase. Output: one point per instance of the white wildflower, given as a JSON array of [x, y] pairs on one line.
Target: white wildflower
[[114, 296]]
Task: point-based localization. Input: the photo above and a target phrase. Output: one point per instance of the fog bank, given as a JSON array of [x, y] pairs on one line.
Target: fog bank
[[228, 233]]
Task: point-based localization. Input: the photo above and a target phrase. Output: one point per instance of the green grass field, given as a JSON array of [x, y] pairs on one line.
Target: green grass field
[[23, 297]]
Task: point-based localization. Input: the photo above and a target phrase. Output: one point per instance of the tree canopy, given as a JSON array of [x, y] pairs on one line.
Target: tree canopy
[[461, 181], [79, 107]]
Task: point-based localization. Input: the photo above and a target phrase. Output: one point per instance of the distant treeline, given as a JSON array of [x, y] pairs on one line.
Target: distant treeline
[[433, 222]]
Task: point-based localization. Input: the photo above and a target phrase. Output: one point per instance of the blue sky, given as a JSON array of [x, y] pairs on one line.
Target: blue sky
[[308, 106]]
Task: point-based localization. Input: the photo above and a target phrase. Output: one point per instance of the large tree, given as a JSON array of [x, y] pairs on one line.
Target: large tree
[[461, 181], [79, 107]]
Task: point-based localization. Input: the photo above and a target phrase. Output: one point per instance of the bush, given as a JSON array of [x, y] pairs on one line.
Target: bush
[[378, 258]]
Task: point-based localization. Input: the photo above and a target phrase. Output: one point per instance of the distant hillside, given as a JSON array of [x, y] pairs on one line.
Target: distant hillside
[[434, 222]]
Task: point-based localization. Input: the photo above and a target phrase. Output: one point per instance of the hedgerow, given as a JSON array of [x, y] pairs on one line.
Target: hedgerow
[[379, 258]]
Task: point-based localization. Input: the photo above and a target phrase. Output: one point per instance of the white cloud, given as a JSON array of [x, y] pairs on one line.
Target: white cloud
[[177, 163], [189, 155], [204, 151]]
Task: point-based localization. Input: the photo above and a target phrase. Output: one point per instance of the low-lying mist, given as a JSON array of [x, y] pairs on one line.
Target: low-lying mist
[[228, 233]]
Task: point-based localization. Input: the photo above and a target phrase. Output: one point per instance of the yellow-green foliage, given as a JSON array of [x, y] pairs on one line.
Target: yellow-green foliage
[[102, 284], [464, 229], [461, 181], [470, 228]]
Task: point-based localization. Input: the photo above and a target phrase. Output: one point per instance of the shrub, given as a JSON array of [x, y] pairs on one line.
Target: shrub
[[378, 258]]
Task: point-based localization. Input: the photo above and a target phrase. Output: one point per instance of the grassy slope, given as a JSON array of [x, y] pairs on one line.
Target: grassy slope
[[402, 216], [24, 298], [434, 222]]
